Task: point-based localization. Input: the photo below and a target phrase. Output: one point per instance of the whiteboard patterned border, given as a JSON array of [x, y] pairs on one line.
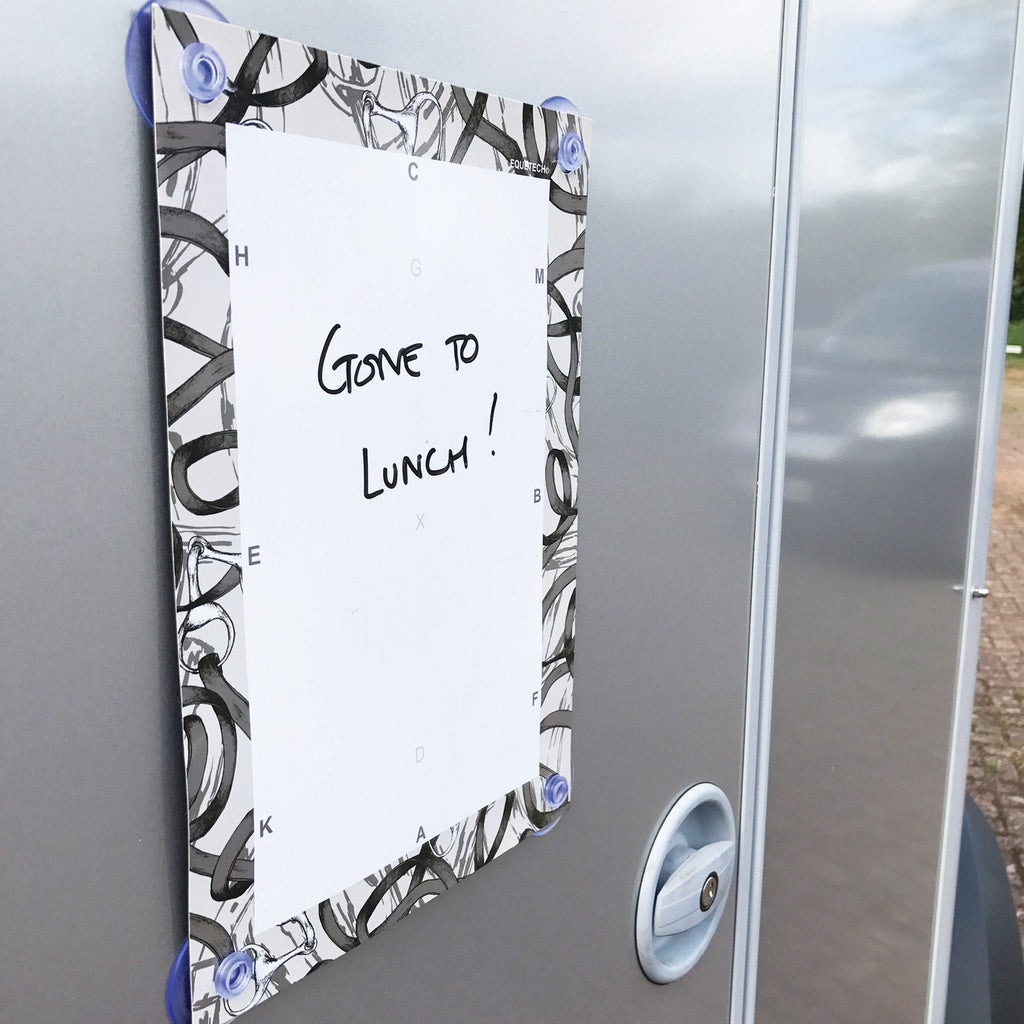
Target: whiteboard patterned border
[[278, 85]]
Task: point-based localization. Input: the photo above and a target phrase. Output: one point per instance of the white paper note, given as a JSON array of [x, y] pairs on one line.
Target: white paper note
[[390, 506]]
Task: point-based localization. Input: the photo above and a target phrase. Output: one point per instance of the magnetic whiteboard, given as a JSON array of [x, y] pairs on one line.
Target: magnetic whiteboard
[[389, 323], [372, 314]]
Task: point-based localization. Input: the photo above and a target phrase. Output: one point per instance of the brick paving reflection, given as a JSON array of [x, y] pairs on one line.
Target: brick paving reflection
[[996, 773]]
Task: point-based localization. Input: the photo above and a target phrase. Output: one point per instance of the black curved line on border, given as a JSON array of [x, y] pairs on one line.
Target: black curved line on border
[[197, 695], [569, 633], [567, 513], [572, 386], [555, 372], [231, 579], [212, 676], [188, 454], [203, 863], [568, 263], [564, 328], [564, 509], [562, 506], [197, 750], [332, 928], [432, 887], [530, 135], [553, 541], [572, 391], [487, 132], [177, 161], [181, 27], [245, 81], [199, 385], [418, 875], [482, 854], [567, 650], [190, 338], [568, 202], [552, 678], [177, 555], [561, 582], [476, 115], [222, 884], [182, 136], [211, 934], [190, 227], [437, 865], [551, 135], [556, 296], [314, 74], [560, 719]]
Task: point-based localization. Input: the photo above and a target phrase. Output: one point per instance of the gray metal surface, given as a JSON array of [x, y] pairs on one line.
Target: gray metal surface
[[905, 110], [91, 799]]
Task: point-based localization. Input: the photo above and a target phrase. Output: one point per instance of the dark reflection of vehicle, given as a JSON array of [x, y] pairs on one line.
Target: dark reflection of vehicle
[[883, 409]]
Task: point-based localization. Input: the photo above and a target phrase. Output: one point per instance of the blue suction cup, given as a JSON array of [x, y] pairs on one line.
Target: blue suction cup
[[556, 790], [233, 974], [561, 104], [138, 59], [178, 994]]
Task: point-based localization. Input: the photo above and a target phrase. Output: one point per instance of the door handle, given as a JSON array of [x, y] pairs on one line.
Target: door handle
[[689, 893], [685, 882]]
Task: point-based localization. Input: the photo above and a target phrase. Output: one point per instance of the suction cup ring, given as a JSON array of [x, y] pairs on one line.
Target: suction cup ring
[[232, 975], [570, 151], [556, 790], [203, 71]]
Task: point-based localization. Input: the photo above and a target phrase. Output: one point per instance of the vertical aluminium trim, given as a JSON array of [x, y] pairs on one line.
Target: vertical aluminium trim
[[981, 512], [768, 514]]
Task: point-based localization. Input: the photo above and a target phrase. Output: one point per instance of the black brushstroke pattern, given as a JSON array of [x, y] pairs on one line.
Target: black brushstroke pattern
[[568, 202], [190, 227], [332, 926], [210, 934], [200, 824], [190, 453], [486, 131], [177, 554], [223, 883], [197, 753], [199, 385], [212, 676], [181, 27], [482, 853], [294, 91], [190, 338], [186, 136], [443, 878], [476, 115]]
